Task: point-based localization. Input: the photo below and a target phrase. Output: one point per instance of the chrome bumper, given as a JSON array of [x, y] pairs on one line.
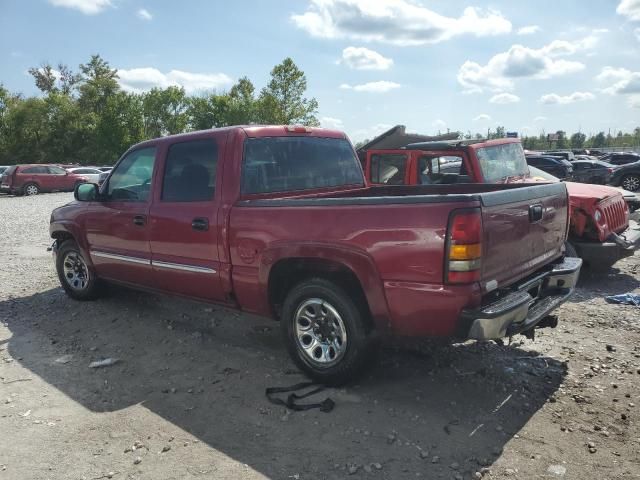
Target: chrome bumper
[[528, 303]]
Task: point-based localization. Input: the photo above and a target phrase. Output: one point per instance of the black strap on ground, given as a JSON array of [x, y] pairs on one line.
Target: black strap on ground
[[325, 406]]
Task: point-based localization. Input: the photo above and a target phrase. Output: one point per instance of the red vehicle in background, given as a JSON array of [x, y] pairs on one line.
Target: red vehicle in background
[[600, 230], [278, 221], [37, 178]]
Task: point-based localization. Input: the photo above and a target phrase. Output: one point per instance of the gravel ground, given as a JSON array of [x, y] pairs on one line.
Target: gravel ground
[[186, 399]]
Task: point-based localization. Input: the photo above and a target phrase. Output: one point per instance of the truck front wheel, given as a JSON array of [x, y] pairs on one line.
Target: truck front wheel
[[326, 332], [75, 276]]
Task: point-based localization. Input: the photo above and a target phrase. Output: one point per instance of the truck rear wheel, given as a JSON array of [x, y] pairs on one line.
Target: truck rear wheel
[[74, 273], [326, 332]]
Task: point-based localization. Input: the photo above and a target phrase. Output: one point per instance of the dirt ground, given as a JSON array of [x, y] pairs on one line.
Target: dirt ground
[[186, 400]]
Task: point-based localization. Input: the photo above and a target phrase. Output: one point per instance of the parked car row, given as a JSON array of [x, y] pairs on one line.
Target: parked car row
[[32, 179], [617, 169]]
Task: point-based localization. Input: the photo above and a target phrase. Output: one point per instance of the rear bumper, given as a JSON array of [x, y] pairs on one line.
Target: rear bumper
[[528, 303], [616, 247]]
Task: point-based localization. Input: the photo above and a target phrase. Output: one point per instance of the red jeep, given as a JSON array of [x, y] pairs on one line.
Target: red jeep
[[279, 221], [600, 230], [37, 178]]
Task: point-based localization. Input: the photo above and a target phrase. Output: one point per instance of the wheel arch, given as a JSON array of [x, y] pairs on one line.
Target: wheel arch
[[351, 269]]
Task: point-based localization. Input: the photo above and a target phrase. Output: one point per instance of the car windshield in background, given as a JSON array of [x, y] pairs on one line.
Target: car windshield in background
[[280, 164], [502, 161]]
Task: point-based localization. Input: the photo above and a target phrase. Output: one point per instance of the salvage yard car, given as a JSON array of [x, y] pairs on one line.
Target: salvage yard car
[[600, 231], [279, 221], [37, 178]]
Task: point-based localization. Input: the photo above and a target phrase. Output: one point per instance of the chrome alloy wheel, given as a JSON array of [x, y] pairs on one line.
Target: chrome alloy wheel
[[31, 190], [631, 183], [76, 272], [320, 332]]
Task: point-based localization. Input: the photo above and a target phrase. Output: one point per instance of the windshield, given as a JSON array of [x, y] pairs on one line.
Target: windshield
[[279, 164], [501, 161]]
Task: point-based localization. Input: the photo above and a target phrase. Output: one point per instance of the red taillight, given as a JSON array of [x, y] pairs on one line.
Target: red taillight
[[464, 247]]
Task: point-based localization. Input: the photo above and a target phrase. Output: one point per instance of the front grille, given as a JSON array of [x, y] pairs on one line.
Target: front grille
[[615, 214]]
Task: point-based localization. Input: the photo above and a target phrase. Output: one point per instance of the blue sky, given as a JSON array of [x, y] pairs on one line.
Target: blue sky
[[430, 65]]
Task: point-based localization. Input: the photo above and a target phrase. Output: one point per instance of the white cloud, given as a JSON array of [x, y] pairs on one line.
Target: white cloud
[[528, 30], [439, 124], [621, 82], [504, 98], [539, 119], [523, 62], [331, 122], [360, 58], [88, 7], [141, 79], [483, 117], [630, 9], [382, 86], [636, 32], [555, 99], [144, 14], [397, 22]]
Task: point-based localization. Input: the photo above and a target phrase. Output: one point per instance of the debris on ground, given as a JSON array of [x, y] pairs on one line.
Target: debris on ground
[[107, 362]]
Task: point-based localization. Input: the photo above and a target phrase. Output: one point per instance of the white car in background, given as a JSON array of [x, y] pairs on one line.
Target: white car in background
[[92, 174]]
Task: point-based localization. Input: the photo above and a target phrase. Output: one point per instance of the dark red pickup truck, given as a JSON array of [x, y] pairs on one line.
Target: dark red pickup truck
[[278, 221]]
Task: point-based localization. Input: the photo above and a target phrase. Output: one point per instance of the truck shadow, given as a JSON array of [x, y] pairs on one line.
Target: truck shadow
[[423, 408]]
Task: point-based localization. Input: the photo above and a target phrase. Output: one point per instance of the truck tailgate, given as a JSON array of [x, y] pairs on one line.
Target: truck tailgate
[[524, 229]]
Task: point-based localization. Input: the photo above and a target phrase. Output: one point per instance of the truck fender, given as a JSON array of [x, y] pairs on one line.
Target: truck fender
[[356, 261], [63, 230]]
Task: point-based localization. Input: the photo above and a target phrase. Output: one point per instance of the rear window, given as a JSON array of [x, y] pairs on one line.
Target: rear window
[[501, 161], [388, 168], [280, 164], [35, 170]]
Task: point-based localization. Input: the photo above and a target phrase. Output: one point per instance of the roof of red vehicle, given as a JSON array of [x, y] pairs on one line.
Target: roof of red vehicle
[[252, 131]]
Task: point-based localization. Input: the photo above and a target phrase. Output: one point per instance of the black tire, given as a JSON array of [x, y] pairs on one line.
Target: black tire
[[31, 189], [630, 182], [570, 250], [359, 340], [87, 291]]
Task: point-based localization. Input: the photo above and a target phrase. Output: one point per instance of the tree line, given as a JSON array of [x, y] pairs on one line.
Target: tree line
[[561, 140], [85, 116]]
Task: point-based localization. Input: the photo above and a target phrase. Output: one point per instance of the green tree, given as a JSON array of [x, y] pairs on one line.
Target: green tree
[[208, 112], [97, 83], [599, 140], [282, 101], [578, 140], [165, 111], [562, 139]]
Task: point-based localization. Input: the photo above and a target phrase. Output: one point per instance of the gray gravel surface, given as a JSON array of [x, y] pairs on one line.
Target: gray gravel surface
[[186, 398]]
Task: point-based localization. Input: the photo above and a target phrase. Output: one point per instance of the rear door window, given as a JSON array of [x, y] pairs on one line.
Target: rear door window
[[57, 170], [190, 171], [388, 168], [281, 164]]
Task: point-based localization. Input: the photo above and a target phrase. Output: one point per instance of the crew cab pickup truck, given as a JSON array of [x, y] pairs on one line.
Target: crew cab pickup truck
[[278, 221], [599, 232]]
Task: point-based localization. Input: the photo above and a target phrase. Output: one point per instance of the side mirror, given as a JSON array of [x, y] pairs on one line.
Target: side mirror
[[86, 192]]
